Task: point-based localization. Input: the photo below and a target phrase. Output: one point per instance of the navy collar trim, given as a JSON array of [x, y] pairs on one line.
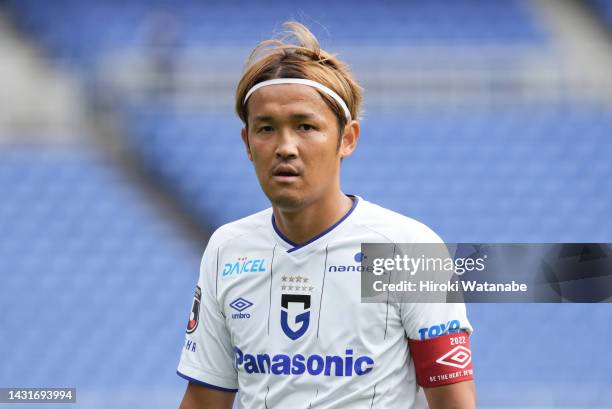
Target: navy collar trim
[[296, 246]]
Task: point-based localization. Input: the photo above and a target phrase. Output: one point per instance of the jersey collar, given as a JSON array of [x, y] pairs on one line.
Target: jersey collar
[[297, 246]]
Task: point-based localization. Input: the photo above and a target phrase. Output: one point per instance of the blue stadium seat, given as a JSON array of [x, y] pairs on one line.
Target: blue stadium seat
[[95, 282], [90, 31], [604, 9], [509, 174]]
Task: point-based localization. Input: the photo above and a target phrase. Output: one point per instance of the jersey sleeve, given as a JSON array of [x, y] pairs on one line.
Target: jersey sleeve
[[429, 320], [438, 333], [207, 357], [423, 320]]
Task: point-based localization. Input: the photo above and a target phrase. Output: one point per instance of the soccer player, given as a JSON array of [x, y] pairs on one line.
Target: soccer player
[[277, 313]]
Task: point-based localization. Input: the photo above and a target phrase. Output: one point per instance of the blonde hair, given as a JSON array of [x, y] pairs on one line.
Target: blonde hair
[[300, 58]]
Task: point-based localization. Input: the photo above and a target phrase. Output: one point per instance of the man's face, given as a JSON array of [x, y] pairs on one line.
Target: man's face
[[293, 143]]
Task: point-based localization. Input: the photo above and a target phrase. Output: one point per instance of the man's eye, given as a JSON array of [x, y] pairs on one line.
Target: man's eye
[[265, 129], [306, 127]]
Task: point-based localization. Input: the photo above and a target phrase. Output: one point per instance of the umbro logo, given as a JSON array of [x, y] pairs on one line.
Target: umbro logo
[[240, 304], [459, 357]]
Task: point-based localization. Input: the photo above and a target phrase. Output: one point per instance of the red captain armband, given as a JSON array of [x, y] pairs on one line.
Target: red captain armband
[[442, 360]]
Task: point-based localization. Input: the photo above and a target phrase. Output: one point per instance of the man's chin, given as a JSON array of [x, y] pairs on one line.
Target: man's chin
[[286, 200]]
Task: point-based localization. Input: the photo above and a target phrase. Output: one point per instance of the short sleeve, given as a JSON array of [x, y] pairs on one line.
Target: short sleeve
[[424, 320], [207, 357], [440, 355], [429, 320]]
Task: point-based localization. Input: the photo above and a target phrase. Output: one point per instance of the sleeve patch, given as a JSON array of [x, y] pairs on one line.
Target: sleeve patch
[[194, 316]]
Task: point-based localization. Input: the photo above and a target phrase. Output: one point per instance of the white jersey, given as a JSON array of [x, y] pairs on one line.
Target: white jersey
[[284, 323]]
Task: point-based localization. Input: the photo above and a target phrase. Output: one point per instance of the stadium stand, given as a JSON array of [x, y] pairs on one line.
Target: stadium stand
[[95, 283], [604, 9], [102, 29], [95, 286], [451, 169], [503, 174]]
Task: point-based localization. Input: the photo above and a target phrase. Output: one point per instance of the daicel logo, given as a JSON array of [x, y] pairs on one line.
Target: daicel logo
[[244, 265]]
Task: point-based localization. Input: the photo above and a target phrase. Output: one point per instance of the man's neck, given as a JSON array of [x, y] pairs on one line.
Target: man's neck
[[301, 225]]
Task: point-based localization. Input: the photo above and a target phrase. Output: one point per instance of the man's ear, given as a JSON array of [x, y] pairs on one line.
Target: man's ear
[[349, 138], [245, 139]]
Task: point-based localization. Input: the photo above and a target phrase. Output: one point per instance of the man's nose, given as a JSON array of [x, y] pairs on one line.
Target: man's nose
[[287, 144]]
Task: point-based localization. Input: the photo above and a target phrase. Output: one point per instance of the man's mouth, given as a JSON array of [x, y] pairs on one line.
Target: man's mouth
[[285, 173]]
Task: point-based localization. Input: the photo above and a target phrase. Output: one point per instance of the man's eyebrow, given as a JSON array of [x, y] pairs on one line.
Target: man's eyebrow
[[268, 118], [304, 116], [262, 118]]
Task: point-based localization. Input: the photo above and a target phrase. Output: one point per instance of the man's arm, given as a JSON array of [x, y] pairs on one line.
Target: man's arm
[[207, 358], [201, 397], [461, 395]]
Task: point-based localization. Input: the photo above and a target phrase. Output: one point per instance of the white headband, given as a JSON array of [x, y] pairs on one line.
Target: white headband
[[310, 83]]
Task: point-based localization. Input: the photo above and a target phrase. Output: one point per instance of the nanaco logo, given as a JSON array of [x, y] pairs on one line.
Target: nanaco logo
[[240, 304], [244, 265], [358, 258]]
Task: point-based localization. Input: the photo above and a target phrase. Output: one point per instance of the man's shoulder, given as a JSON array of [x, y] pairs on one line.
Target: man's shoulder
[[245, 228], [395, 226]]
